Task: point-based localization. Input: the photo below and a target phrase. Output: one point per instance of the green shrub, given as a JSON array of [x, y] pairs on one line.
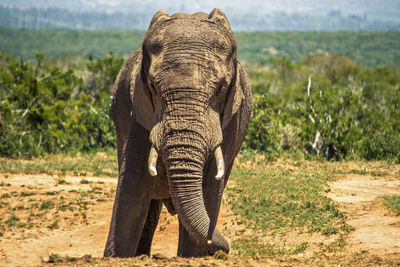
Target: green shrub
[[347, 111], [46, 109], [262, 134]]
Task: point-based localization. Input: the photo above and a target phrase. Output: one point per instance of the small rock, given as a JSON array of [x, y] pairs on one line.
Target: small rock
[[87, 258], [143, 257], [159, 256], [45, 259]]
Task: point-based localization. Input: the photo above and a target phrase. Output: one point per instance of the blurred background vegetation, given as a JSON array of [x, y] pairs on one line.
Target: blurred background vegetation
[[367, 48], [329, 95]]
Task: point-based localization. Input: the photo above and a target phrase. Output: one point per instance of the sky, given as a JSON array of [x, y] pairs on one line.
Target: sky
[[351, 6], [289, 6]]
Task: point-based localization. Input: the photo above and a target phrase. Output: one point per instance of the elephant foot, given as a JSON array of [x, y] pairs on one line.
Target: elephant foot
[[110, 250]]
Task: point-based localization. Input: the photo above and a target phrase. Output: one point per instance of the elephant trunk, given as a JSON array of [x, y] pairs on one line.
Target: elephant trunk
[[185, 156]]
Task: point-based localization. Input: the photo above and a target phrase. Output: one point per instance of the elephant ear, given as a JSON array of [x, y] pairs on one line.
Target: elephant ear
[[219, 17], [143, 108], [235, 94], [159, 16]]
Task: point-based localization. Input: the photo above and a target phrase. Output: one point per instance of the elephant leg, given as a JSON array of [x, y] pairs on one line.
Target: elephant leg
[[133, 197], [213, 194], [187, 247], [149, 227]]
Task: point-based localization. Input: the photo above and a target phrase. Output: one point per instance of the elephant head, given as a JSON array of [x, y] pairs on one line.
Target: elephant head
[[187, 93]]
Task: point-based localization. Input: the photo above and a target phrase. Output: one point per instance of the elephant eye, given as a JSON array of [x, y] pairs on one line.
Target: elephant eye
[[219, 88], [220, 46], [156, 48]]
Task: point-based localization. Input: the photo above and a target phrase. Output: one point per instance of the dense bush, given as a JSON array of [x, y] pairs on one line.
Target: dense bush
[[263, 128], [46, 109], [346, 111]]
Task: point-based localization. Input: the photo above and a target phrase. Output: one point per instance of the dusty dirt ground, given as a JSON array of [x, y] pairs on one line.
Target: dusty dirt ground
[[22, 245], [25, 247], [375, 229], [76, 224]]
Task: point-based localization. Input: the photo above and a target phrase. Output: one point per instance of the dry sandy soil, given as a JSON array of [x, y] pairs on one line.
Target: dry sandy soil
[[76, 224], [374, 228]]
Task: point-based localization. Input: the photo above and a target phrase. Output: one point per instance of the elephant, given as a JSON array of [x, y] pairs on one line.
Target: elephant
[[181, 106]]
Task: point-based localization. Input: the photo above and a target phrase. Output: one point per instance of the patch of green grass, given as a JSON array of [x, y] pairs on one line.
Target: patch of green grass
[[5, 195], [3, 204], [359, 172], [62, 206], [275, 202], [53, 258], [56, 258], [27, 194], [379, 173], [300, 248], [46, 205], [54, 225], [12, 221], [100, 163], [392, 203], [52, 193], [96, 190], [364, 172], [336, 245], [5, 184], [22, 225], [255, 247], [62, 182], [19, 207], [84, 181], [278, 200]]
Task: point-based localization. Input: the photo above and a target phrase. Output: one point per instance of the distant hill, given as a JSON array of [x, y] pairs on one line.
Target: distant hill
[[367, 48], [274, 15]]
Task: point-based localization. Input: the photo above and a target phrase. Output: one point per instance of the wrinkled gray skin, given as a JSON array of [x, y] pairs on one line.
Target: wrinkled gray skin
[[185, 93]]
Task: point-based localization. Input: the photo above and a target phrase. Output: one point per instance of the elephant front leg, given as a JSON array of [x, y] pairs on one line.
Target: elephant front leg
[[187, 247], [149, 228], [133, 197]]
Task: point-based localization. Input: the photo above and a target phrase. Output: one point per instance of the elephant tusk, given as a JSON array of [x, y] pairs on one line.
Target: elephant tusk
[[219, 158], [152, 163]]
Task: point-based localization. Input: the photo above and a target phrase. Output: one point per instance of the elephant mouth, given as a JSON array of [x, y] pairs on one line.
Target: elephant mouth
[[219, 160]]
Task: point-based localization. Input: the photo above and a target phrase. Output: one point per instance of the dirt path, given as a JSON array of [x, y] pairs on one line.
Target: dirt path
[[375, 230]]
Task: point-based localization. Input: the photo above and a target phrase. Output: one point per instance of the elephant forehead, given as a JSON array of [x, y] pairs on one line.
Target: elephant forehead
[[190, 27], [193, 30]]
